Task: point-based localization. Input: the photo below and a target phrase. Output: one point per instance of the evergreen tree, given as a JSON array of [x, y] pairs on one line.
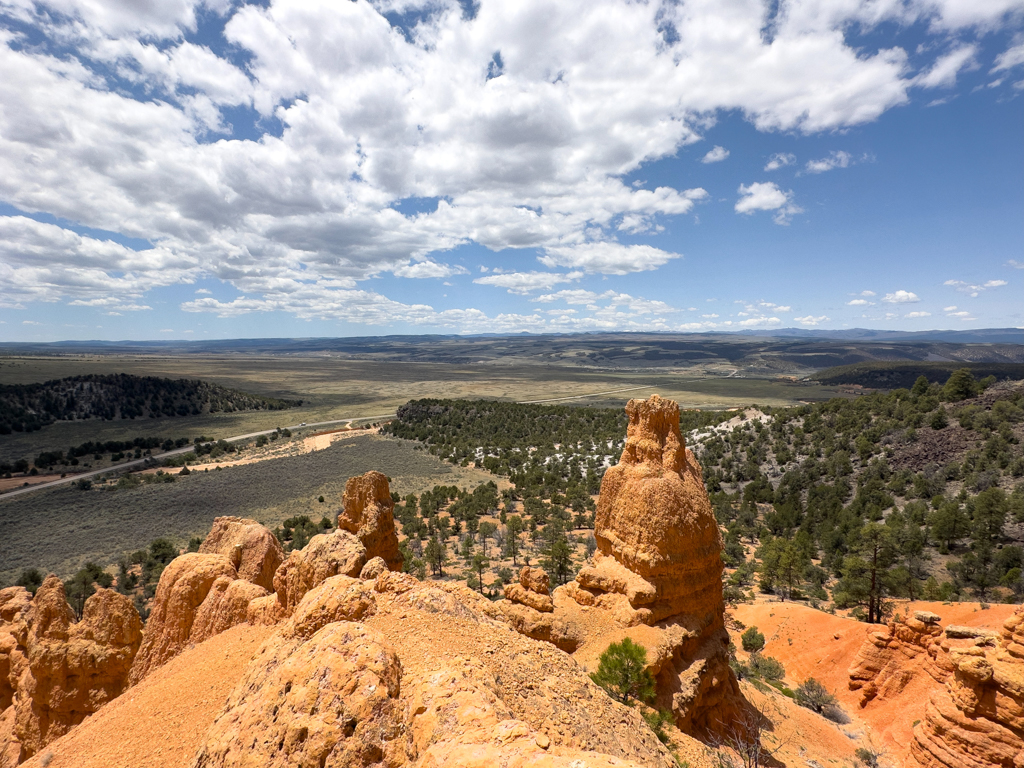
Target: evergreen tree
[[623, 674]]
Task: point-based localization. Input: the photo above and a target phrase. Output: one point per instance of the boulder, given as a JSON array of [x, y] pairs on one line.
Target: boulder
[[373, 569], [368, 512], [184, 585], [331, 699], [327, 554], [252, 549]]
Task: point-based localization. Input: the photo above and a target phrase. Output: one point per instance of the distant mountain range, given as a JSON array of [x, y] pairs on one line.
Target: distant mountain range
[[975, 336]]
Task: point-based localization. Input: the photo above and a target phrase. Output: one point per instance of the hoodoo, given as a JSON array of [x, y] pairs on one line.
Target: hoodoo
[[656, 576]]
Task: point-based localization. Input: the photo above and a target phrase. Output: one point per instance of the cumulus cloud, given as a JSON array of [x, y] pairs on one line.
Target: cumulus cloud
[[525, 282], [117, 119], [918, 314], [608, 258], [766, 196], [811, 320], [859, 303], [837, 159], [779, 160], [715, 155], [1015, 264], [900, 297], [974, 289]]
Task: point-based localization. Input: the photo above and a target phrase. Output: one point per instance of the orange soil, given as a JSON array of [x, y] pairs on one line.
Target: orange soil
[[812, 643], [160, 722]]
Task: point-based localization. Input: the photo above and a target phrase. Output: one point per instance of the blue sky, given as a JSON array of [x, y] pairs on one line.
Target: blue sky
[[320, 169]]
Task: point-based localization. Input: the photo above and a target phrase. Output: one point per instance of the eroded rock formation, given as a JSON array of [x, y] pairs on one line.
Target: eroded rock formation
[[977, 719], [394, 672], [657, 569], [254, 551], [368, 512], [56, 671], [886, 664], [229, 581]]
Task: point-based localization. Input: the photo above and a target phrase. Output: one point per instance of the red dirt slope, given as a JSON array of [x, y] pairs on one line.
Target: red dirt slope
[[161, 722]]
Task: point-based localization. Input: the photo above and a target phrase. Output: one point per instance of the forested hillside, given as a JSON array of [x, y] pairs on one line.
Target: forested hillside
[[893, 374], [918, 492], [28, 407]]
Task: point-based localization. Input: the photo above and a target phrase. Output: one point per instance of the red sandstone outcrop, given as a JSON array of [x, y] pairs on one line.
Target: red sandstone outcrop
[[225, 605], [184, 585], [227, 581], [394, 672], [253, 550], [531, 591], [658, 564], [368, 512], [326, 555], [977, 720], [889, 659], [59, 671]]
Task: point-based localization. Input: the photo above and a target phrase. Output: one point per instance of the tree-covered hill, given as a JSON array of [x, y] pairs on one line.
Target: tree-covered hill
[[28, 407], [915, 493], [892, 374]]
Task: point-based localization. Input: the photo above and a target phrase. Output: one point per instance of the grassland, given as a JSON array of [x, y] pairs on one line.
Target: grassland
[[336, 388], [61, 529]]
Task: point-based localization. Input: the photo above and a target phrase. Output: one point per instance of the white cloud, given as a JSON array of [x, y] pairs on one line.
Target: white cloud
[[110, 117], [1015, 264], [766, 196], [918, 314], [811, 320], [972, 289], [428, 268], [944, 71], [1010, 58], [203, 292], [868, 293], [779, 160], [900, 297], [961, 315], [837, 159], [949, 309], [859, 303], [709, 317], [715, 155], [608, 258], [524, 282]]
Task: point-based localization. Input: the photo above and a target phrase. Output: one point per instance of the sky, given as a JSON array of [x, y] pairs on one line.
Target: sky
[[293, 168]]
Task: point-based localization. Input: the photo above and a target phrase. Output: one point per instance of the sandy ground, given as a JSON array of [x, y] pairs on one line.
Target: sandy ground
[[160, 722], [812, 643]]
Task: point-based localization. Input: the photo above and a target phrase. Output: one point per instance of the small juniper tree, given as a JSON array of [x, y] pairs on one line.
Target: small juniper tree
[[753, 641], [623, 674]]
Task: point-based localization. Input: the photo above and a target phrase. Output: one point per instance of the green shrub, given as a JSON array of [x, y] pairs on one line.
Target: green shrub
[[753, 641], [623, 674]]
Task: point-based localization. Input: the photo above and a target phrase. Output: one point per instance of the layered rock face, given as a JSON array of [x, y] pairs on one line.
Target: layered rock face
[[977, 720], [56, 671], [885, 663], [657, 569]]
